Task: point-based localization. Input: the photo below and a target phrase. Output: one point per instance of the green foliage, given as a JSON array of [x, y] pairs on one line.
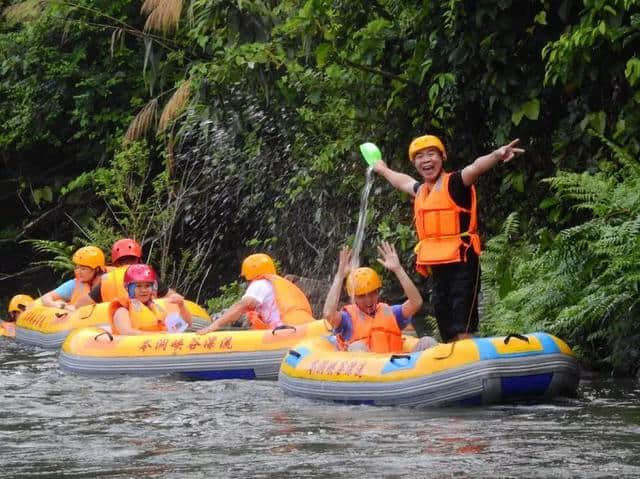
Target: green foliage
[[584, 285], [61, 252], [281, 94]]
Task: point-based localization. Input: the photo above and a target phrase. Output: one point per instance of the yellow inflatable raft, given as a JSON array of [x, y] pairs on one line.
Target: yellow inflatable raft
[[468, 372], [48, 327], [237, 354]]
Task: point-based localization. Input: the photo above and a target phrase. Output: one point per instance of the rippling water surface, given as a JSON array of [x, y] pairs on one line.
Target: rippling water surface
[[54, 424]]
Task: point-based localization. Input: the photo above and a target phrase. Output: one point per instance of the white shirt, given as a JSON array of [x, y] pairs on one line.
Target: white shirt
[[262, 291]]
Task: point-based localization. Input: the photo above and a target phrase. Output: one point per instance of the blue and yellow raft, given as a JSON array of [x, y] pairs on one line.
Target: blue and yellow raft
[[475, 371]]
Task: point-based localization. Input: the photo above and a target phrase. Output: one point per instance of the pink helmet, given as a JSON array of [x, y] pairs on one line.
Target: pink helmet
[[139, 273], [125, 247]]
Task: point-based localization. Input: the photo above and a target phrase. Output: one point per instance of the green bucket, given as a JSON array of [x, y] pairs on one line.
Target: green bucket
[[371, 153]]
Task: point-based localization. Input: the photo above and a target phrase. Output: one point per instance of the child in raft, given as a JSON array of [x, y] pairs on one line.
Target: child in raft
[[139, 314], [270, 300], [18, 304], [367, 324]]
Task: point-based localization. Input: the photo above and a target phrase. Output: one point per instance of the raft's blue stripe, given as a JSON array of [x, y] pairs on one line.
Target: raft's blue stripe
[[519, 386], [222, 374], [487, 350], [292, 360], [547, 342], [400, 363]]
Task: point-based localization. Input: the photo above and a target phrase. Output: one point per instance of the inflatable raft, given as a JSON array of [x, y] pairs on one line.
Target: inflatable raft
[[48, 327], [469, 372], [238, 354]]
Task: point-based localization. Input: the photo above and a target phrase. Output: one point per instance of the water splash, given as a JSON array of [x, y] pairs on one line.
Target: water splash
[[362, 220]]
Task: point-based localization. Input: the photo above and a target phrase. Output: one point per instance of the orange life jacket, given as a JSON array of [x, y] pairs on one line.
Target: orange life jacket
[[112, 284], [149, 317], [292, 304], [381, 333], [437, 219], [80, 290]]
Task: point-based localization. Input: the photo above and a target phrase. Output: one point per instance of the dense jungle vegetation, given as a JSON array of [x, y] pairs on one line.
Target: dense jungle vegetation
[[209, 129]]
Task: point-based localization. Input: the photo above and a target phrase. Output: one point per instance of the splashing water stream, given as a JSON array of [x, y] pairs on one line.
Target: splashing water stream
[[362, 220]]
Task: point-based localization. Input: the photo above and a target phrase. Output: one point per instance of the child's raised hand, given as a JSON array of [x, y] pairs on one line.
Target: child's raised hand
[[389, 257], [343, 262]]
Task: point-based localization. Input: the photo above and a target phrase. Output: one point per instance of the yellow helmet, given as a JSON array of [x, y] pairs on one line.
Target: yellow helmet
[[363, 281], [90, 256], [426, 141], [19, 303], [257, 265]]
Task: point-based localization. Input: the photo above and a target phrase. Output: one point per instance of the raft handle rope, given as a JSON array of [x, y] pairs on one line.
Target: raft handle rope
[[517, 336], [103, 332], [453, 346], [93, 306], [282, 326], [399, 356], [295, 353]]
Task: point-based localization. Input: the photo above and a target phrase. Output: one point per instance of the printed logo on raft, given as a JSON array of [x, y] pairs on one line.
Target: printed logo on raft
[[179, 345], [337, 367]]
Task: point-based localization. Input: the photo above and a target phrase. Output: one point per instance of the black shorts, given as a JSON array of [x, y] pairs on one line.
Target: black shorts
[[454, 297]]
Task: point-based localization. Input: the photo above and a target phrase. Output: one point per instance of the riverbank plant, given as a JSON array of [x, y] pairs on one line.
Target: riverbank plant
[[583, 282]]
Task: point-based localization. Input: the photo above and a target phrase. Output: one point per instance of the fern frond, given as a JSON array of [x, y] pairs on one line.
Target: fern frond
[[511, 225], [60, 251], [622, 155]]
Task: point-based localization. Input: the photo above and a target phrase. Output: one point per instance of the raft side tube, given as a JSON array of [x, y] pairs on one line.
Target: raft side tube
[[483, 379]]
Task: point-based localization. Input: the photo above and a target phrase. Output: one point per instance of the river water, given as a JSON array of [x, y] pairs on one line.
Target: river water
[[54, 424]]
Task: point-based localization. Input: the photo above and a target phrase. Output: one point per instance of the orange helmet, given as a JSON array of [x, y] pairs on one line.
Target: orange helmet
[[426, 141], [90, 256], [125, 247], [257, 265], [19, 303], [363, 281]]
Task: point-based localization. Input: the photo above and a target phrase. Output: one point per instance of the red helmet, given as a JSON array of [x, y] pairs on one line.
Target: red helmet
[[139, 273], [125, 247]]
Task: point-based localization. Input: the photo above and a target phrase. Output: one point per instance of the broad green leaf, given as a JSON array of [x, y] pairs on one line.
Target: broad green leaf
[[322, 52], [531, 109], [541, 18], [632, 71]]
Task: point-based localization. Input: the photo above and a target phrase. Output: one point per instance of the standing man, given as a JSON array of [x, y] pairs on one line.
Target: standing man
[[446, 219]]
